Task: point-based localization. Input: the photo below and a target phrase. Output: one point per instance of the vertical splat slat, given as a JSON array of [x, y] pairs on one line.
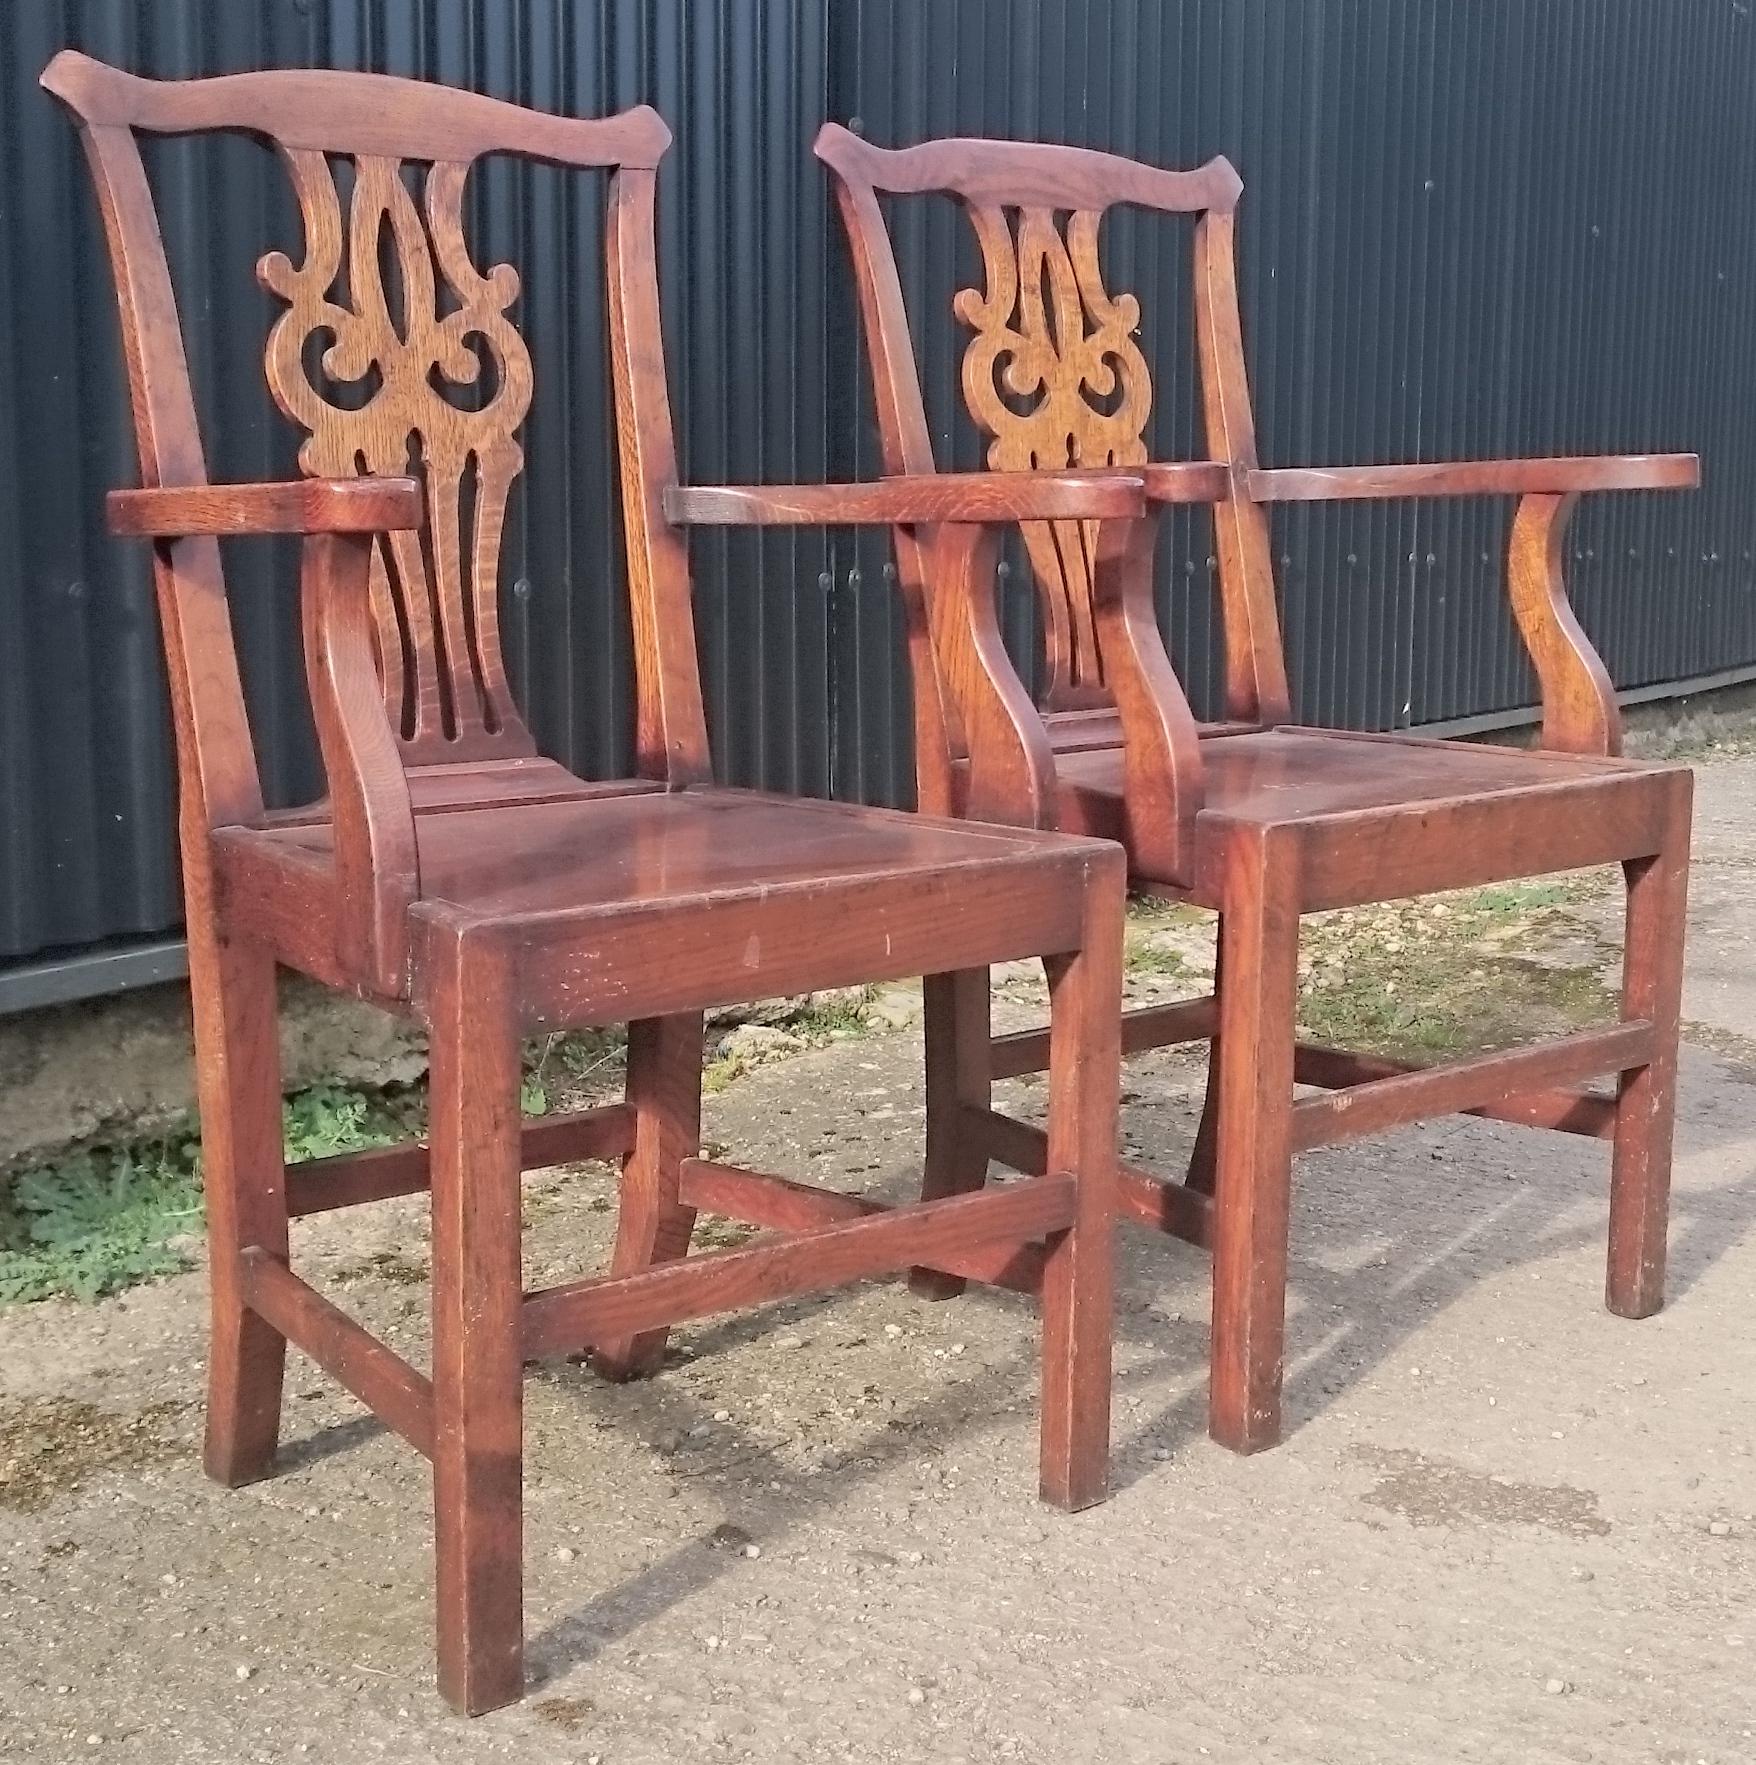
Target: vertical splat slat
[[434, 596], [1049, 341]]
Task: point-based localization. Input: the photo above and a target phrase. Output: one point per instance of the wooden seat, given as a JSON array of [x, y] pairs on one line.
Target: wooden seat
[[597, 868], [1257, 819], [452, 874], [1379, 817]]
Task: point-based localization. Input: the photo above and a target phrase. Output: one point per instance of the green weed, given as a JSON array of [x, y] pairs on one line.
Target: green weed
[[98, 1220], [105, 1217]]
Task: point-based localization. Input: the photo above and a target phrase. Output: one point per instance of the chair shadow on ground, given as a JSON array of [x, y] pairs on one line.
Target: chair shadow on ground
[[1402, 1267]]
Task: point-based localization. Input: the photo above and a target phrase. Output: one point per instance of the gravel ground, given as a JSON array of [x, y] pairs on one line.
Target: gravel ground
[[1504, 1526]]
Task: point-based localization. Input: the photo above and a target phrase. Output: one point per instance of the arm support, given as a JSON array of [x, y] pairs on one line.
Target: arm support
[[1580, 714], [1186, 481], [1557, 477], [924, 500], [372, 819], [377, 862], [969, 701], [306, 505]]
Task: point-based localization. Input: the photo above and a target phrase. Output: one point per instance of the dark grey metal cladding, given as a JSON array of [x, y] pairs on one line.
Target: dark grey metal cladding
[[1467, 229], [87, 823]]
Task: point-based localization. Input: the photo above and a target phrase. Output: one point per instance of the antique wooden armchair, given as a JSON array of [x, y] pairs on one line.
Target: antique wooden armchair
[[454, 875], [1255, 818]]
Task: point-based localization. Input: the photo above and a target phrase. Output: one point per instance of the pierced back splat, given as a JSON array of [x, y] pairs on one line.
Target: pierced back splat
[[1054, 377], [434, 595]]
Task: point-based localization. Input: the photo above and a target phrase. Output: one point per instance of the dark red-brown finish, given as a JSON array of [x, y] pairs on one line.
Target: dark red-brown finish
[[1260, 820], [452, 874]]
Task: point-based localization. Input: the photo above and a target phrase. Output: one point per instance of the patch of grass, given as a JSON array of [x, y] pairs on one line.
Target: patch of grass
[[1452, 975], [1148, 956], [572, 1067], [106, 1217], [1520, 897], [830, 1016], [99, 1220], [1150, 911], [330, 1118]]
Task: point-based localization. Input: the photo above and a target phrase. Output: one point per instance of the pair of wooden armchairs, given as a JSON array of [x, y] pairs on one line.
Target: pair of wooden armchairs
[[453, 874]]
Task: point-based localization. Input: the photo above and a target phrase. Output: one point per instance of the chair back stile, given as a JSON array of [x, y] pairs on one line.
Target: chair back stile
[[1053, 377], [387, 307]]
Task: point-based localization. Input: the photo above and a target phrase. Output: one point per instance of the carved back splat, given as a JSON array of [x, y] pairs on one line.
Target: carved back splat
[[1053, 375], [1048, 338], [396, 316], [435, 596]]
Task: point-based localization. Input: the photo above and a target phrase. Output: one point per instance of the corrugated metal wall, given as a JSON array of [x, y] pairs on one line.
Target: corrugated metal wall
[[1470, 227]]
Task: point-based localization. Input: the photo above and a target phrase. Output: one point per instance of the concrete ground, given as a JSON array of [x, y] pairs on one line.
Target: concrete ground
[[1504, 1526]]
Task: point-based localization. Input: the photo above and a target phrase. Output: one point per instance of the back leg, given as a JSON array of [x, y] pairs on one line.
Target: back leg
[[1085, 1081], [1652, 988], [243, 1172], [1252, 1197], [957, 1028], [1203, 1156], [653, 1226]]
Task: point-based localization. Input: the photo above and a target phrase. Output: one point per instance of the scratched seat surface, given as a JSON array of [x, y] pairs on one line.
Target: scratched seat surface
[[652, 846], [1286, 775]]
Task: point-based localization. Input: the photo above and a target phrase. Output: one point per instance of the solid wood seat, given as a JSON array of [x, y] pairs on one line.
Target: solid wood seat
[[1267, 826], [453, 875], [1382, 816], [639, 860], [595, 856]]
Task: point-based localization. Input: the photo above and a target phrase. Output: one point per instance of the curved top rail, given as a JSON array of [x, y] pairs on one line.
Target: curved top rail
[[1027, 174], [331, 111]]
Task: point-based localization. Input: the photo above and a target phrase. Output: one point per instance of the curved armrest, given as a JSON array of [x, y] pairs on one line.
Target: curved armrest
[[1186, 481], [926, 499], [305, 505], [376, 859], [1556, 477]]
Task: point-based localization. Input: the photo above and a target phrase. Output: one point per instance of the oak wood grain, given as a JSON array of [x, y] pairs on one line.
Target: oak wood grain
[[307, 505], [919, 501], [557, 1319], [1369, 1106], [1544, 477], [1251, 816], [386, 1384]]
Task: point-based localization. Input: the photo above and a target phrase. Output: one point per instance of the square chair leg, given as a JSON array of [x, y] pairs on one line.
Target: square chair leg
[[1085, 1076], [652, 1225], [1253, 1187], [955, 1023], [478, 1456], [1652, 988], [243, 1173]]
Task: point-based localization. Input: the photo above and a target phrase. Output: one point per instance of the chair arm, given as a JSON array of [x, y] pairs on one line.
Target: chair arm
[[1555, 477], [305, 505], [925, 499], [1186, 481]]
